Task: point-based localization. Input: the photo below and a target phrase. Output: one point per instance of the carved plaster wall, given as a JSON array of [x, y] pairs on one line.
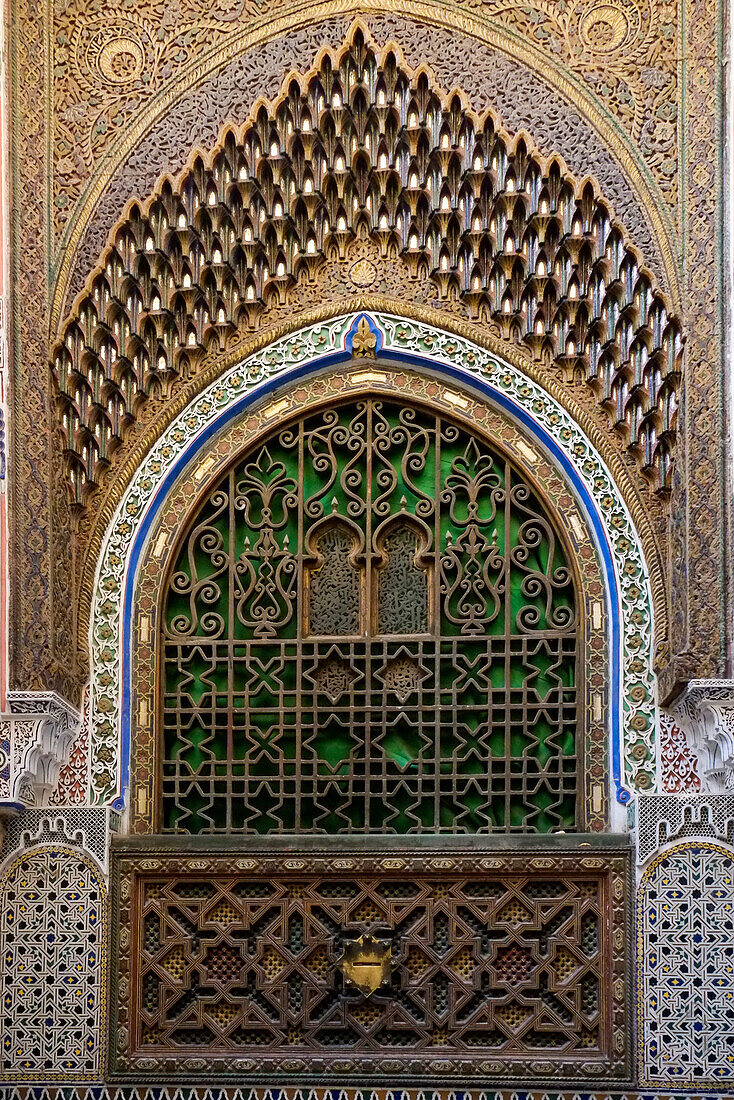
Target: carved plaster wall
[[617, 62]]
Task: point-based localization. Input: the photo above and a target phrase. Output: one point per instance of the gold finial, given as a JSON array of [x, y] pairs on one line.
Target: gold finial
[[365, 341]]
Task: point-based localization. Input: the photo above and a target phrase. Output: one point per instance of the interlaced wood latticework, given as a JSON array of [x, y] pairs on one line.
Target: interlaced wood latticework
[[364, 147], [370, 626], [515, 972]]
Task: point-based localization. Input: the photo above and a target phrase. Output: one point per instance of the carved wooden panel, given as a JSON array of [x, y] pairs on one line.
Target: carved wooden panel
[[507, 965]]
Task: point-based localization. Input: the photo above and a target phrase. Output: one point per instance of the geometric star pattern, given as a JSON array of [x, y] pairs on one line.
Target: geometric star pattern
[[686, 968], [52, 920]]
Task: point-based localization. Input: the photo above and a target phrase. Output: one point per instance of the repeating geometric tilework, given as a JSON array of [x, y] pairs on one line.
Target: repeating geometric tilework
[[686, 964], [52, 928]]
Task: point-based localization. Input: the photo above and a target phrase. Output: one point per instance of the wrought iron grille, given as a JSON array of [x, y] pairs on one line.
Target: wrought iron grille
[[371, 627]]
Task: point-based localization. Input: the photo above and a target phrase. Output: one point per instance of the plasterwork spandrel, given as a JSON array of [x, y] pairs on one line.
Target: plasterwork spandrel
[[111, 61], [520, 96], [432, 344]]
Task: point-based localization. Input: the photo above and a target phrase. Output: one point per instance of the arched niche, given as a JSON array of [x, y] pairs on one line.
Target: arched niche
[[421, 522], [288, 873]]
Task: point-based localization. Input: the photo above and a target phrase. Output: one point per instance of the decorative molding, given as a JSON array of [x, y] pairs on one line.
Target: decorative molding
[[319, 344], [342, 1091], [705, 710], [38, 730]]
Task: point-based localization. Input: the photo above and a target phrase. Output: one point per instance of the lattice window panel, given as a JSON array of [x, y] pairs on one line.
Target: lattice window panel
[[370, 626]]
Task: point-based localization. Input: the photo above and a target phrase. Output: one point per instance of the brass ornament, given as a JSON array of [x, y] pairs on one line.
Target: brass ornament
[[365, 341], [366, 963]]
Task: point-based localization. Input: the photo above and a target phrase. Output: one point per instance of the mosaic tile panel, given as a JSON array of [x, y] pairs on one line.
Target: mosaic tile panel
[[686, 968], [52, 983]]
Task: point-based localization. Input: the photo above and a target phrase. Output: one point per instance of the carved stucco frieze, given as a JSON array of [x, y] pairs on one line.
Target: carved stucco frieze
[[111, 62], [705, 711], [38, 730]]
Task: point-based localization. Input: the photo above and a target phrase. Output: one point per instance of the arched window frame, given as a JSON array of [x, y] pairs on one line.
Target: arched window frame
[[592, 811]]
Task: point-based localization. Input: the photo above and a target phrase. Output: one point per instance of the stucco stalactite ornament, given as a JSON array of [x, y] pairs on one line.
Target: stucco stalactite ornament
[[705, 712], [110, 732], [362, 147], [35, 737]]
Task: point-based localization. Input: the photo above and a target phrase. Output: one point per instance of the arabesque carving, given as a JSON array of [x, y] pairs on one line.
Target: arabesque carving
[[365, 148], [110, 64]]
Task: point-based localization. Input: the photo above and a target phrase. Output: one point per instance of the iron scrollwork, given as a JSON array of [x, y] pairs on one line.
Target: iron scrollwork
[[370, 626]]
